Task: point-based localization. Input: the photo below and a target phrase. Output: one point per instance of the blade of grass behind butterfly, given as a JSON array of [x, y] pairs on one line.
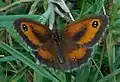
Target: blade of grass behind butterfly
[[111, 54], [45, 16], [28, 62], [8, 58], [7, 20], [13, 17], [83, 73], [110, 76], [19, 74], [3, 77], [68, 77], [2, 4], [117, 61], [59, 74], [98, 51], [95, 6], [38, 78], [113, 26], [111, 46], [110, 41], [116, 33], [82, 8], [14, 4], [92, 7], [99, 5], [34, 7], [45, 4], [86, 11]]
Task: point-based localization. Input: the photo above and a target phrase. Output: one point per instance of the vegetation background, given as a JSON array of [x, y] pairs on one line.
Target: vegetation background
[[16, 63]]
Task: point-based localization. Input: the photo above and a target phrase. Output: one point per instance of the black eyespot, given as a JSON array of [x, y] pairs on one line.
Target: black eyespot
[[95, 24], [25, 28]]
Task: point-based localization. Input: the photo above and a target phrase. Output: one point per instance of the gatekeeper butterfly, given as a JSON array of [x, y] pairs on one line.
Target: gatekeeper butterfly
[[63, 50]]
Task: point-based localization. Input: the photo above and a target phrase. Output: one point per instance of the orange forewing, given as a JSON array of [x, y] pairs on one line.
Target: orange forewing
[[36, 33], [84, 32]]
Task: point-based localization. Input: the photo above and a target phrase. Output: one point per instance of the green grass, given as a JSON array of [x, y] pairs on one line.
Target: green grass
[[18, 63]]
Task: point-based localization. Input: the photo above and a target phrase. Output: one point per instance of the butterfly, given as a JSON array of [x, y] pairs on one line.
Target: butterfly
[[62, 50]]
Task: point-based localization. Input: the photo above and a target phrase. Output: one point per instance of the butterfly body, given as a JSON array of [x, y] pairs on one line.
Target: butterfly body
[[64, 50]]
